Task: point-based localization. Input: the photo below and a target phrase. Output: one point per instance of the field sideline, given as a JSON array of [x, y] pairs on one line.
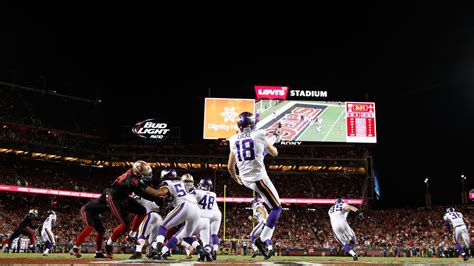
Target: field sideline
[[222, 260]]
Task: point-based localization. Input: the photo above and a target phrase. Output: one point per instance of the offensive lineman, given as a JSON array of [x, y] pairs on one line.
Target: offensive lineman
[[207, 201], [455, 219], [341, 229], [47, 233], [148, 227], [185, 211], [247, 150]]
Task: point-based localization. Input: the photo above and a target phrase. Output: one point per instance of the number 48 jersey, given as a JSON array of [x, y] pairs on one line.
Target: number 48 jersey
[[206, 202], [248, 148]]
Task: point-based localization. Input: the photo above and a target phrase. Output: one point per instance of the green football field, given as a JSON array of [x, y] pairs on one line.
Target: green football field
[[223, 259], [333, 126]]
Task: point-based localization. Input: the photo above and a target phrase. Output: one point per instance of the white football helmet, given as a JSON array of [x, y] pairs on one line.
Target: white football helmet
[[188, 181]]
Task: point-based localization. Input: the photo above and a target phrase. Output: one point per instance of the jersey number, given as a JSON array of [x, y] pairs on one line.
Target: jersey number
[[336, 208], [203, 202], [245, 147], [179, 189], [454, 215]]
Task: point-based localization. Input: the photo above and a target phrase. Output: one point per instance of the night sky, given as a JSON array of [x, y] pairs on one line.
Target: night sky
[[416, 62]]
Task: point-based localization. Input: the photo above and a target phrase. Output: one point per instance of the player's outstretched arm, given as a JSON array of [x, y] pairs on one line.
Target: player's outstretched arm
[[161, 192], [231, 168]]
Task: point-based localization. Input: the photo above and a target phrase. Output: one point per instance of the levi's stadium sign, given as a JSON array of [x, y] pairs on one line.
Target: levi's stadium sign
[[283, 92], [271, 92]]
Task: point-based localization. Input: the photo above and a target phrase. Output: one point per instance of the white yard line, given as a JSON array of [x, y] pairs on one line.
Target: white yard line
[[333, 125]]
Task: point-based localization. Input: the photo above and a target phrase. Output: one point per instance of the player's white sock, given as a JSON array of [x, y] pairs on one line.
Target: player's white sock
[[153, 245], [195, 244], [269, 247], [267, 233], [254, 247], [46, 251], [160, 238], [110, 242], [164, 250], [185, 244], [215, 247], [141, 243], [352, 253]]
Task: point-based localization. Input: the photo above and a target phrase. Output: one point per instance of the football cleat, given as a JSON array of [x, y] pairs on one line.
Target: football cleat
[[261, 247], [355, 257], [109, 249], [133, 240], [214, 255], [99, 255], [136, 255], [75, 252], [466, 257], [269, 254]]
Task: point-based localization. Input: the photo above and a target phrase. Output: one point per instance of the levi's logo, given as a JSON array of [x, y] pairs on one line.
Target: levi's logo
[[271, 92]]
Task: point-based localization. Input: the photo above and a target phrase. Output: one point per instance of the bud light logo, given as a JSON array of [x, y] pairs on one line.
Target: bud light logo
[[151, 129]]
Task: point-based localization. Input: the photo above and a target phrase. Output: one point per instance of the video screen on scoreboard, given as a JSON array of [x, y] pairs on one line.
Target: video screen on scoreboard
[[352, 122]]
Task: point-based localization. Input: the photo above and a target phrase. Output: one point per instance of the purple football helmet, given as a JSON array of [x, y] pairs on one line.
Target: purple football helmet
[[205, 184], [168, 173], [246, 120], [339, 200]]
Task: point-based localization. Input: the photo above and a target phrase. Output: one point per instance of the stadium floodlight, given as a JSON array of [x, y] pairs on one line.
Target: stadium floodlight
[[463, 177], [426, 180]]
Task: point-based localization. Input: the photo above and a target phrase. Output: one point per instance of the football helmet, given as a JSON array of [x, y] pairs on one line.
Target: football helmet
[[205, 184], [168, 173], [188, 181], [51, 212], [34, 212], [339, 200], [450, 210], [143, 170], [246, 120]]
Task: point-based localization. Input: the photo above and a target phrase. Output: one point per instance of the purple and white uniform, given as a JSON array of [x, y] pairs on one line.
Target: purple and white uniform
[[186, 210], [461, 234], [151, 223], [248, 148], [342, 231]]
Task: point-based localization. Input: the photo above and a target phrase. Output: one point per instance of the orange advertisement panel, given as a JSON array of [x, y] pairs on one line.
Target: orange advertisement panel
[[220, 116]]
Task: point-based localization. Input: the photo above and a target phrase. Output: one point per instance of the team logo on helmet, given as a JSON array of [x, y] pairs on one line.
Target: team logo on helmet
[[188, 181], [246, 120], [339, 200], [168, 173], [450, 210], [205, 184], [142, 169]]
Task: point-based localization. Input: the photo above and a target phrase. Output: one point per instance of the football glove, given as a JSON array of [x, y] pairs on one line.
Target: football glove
[[360, 215]]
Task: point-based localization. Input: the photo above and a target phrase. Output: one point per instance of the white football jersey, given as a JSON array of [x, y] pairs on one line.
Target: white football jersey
[[338, 213], [150, 206], [248, 148], [455, 218], [48, 222], [178, 192], [207, 202], [257, 214]]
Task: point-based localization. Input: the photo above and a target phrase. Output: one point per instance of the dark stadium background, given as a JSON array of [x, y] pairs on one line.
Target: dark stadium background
[[142, 62]]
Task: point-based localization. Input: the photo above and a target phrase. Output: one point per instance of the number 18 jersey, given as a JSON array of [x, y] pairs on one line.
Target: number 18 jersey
[[248, 148]]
